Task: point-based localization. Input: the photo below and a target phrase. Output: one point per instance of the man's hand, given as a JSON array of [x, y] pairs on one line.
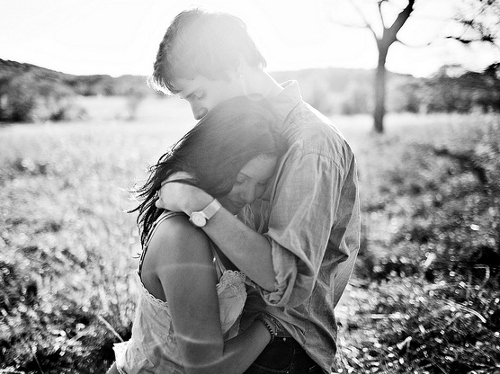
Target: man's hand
[[170, 194], [181, 197]]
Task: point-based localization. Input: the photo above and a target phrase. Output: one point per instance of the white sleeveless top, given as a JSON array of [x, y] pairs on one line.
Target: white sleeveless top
[[153, 346]]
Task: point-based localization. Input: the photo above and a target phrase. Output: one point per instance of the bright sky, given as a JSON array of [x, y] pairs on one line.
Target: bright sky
[[121, 37]]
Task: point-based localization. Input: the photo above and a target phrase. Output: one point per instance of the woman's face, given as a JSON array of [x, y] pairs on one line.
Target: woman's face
[[251, 182]]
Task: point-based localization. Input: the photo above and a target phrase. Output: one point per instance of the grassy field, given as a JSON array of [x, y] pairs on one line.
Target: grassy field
[[67, 245]]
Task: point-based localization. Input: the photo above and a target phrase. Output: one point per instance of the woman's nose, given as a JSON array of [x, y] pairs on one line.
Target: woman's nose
[[248, 194]]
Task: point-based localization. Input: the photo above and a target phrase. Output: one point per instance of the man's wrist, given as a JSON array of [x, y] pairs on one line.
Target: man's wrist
[[196, 200], [201, 217]]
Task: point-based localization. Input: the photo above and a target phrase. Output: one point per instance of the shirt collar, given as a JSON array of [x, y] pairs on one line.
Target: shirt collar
[[287, 99]]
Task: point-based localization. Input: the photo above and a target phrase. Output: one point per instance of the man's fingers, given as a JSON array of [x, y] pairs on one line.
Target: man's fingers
[[177, 175], [159, 201]]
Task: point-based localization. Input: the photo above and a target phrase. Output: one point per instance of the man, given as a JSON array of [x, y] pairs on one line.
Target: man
[[303, 252]]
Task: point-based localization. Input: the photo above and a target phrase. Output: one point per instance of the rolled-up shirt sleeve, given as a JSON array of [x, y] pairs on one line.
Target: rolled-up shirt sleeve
[[303, 219]]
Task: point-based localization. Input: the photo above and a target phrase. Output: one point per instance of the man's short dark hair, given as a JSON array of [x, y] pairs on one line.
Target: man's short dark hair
[[202, 43]]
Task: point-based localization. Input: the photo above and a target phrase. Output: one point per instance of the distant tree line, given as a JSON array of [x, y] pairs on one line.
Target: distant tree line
[[455, 90], [451, 90], [30, 93]]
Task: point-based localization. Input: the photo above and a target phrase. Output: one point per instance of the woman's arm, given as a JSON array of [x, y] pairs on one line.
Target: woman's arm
[[183, 263]]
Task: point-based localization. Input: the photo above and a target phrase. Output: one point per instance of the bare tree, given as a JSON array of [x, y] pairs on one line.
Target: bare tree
[[475, 21], [385, 34]]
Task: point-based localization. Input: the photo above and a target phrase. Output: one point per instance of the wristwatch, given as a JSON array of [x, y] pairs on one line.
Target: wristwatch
[[200, 218]]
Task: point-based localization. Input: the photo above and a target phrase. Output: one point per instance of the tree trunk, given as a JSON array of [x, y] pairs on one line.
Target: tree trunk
[[389, 36], [380, 83]]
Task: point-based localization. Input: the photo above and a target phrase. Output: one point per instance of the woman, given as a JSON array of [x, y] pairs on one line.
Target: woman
[[187, 317]]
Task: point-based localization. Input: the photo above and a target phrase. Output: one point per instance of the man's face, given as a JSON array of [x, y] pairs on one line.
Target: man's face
[[203, 94]]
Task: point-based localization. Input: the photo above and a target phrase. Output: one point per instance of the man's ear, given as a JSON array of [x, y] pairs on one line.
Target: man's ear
[[239, 66]]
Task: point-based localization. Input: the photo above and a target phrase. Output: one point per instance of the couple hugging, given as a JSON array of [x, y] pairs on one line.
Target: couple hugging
[[249, 224]]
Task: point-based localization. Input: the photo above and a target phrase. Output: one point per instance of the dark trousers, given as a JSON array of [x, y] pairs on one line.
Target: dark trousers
[[284, 355]]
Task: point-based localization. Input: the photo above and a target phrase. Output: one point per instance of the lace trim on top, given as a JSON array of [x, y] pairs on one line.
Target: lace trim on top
[[158, 302], [230, 278], [227, 279]]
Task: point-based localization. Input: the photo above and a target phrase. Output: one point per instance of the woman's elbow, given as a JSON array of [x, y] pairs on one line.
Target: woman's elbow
[[203, 359]]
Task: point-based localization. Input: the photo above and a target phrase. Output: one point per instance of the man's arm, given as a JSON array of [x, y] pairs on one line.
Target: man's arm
[[248, 250], [304, 219]]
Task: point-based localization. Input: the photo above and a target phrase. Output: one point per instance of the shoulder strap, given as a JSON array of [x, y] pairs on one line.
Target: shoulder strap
[[165, 215], [219, 266]]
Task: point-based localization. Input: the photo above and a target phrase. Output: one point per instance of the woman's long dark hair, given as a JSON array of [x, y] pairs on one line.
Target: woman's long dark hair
[[213, 152]]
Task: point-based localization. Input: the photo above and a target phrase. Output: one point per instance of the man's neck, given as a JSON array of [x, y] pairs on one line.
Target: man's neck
[[261, 83]]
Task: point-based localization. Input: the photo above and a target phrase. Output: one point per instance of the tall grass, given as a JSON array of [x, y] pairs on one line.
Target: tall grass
[[425, 298], [67, 245]]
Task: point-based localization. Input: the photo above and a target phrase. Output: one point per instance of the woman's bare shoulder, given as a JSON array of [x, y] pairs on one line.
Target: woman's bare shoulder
[[176, 237]]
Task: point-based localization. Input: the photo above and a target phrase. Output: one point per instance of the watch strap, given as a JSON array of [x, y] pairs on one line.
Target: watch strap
[[211, 209]]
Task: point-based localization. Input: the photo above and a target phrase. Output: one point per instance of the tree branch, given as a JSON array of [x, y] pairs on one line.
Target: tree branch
[[414, 45], [401, 18], [365, 20], [483, 25], [379, 6]]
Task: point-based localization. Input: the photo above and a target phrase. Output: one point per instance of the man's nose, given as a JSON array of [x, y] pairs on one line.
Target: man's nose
[[199, 112]]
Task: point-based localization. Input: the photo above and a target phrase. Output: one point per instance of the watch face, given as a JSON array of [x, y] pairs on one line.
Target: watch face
[[198, 219]]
